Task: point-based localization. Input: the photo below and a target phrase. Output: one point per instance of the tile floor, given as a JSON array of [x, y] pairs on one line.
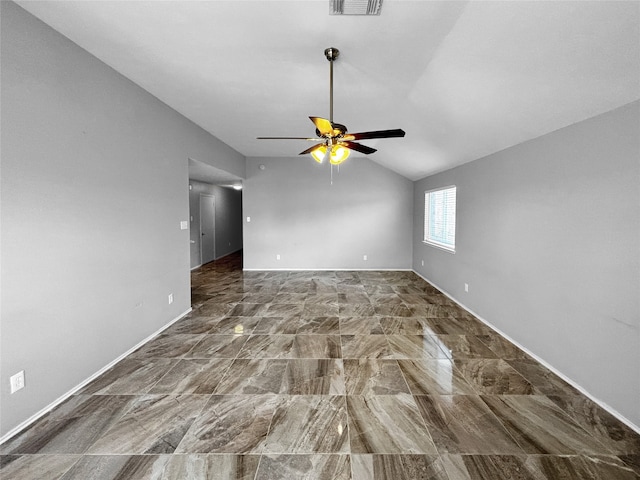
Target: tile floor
[[324, 375]]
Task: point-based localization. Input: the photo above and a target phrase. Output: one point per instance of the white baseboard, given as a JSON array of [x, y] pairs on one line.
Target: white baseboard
[[327, 270], [81, 385], [575, 385]]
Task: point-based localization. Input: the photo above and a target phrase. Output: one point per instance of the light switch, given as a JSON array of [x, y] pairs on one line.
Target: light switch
[[248, 219]]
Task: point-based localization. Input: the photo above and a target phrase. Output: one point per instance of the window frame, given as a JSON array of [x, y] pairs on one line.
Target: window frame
[[425, 238]]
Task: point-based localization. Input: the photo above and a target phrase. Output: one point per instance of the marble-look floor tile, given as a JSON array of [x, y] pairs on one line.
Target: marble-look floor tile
[[360, 326], [192, 325], [540, 427], [226, 297], [253, 376], [404, 326], [211, 467], [353, 298], [247, 310], [351, 286], [464, 424], [218, 310], [316, 346], [387, 424], [258, 297], [365, 346], [393, 310], [404, 350], [319, 325], [313, 310], [309, 424], [231, 424], [167, 346], [464, 346], [72, 427], [397, 467], [412, 299], [154, 424], [304, 467], [356, 310], [267, 346], [608, 430], [427, 311], [544, 380], [503, 348], [314, 377], [367, 376], [549, 467], [131, 376], [284, 310], [446, 325], [235, 326], [196, 376], [35, 467], [434, 377], [322, 299], [632, 461], [416, 346], [218, 346], [290, 298], [379, 290], [385, 299], [118, 467], [295, 287], [492, 376], [277, 326], [487, 467], [534, 467]]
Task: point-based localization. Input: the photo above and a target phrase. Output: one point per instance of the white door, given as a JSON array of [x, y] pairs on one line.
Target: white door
[[207, 228]]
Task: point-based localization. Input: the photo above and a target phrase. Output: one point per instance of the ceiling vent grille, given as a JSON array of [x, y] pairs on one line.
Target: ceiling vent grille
[[355, 7]]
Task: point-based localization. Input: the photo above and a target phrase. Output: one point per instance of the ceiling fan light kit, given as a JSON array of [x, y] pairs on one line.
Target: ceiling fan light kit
[[334, 143]]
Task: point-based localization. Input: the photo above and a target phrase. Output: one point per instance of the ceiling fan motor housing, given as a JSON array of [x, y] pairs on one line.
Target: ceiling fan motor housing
[[331, 53]]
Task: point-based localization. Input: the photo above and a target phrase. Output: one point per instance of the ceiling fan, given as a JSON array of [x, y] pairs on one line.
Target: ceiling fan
[[333, 141]]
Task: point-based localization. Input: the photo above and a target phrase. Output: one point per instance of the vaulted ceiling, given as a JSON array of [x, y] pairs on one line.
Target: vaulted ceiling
[[463, 79]]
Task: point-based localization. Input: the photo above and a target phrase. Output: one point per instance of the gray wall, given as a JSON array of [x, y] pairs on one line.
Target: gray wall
[[93, 189], [548, 241], [297, 213], [228, 219]]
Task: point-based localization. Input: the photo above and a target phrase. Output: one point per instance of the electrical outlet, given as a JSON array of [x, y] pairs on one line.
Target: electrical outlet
[[17, 381], [278, 257], [422, 263], [170, 298], [184, 225], [466, 287], [364, 257]]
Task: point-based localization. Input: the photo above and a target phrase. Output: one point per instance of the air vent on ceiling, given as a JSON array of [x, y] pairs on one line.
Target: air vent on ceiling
[[355, 7]]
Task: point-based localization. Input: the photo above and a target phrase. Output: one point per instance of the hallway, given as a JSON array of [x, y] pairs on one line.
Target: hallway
[[324, 375]]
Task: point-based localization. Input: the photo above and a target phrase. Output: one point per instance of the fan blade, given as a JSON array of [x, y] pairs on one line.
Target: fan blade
[[358, 147], [311, 149], [323, 125], [289, 138], [377, 134]]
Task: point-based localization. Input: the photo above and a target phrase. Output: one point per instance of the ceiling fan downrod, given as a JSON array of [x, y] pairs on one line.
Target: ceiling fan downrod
[[331, 53]]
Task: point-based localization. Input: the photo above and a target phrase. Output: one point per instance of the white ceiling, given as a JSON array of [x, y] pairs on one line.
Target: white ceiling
[[463, 79]]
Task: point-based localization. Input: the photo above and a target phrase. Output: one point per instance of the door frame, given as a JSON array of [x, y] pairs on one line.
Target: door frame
[[214, 225]]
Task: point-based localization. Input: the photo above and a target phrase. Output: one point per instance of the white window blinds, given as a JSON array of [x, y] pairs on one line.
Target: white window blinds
[[440, 218]]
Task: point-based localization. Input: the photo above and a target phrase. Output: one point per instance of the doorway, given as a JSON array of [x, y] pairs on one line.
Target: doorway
[[207, 228]]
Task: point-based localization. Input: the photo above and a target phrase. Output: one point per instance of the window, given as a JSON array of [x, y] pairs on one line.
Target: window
[[440, 218]]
